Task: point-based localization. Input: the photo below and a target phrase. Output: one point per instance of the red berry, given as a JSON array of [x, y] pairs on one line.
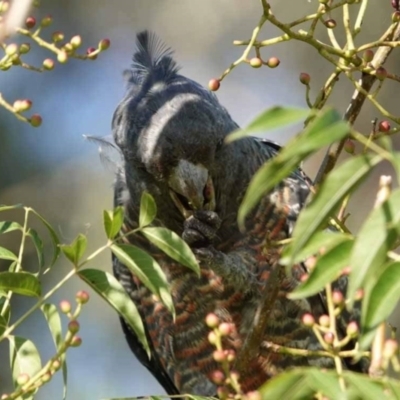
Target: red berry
[[82, 297], [30, 22], [57, 36], [212, 338], [56, 365], [76, 341], [214, 84], [35, 120], [48, 64], [368, 55], [396, 16], [384, 126], [328, 337], [337, 297], [91, 53], [73, 326], [308, 320], [256, 62], [349, 146], [381, 73], [24, 48], [219, 356], [212, 320], [324, 320], [304, 78], [76, 41], [330, 23], [217, 377], [273, 62], [65, 306], [352, 329], [104, 44], [46, 21], [62, 57], [225, 328]]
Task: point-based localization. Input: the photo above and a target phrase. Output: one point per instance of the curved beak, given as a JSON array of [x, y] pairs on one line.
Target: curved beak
[[191, 188]]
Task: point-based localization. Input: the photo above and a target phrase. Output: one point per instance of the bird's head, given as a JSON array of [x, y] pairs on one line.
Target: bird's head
[[171, 131]]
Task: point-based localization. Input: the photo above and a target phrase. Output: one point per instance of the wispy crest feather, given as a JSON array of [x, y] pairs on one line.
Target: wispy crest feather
[[110, 154], [152, 59]]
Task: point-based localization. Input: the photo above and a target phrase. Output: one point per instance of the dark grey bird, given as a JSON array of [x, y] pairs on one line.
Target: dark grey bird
[[171, 132]]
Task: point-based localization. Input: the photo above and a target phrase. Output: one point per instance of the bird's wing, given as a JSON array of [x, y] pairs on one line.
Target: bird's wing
[[153, 364], [269, 149]]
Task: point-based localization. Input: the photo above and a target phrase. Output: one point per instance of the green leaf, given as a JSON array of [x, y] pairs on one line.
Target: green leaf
[[304, 383], [272, 118], [396, 163], [322, 239], [54, 238], [54, 322], [24, 357], [147, 270], [382, 300], [172, 245], [53, 319], [327, 269], [325, 129], [37, 242], [9, 226], [112, 291], [20, 282], [378, 234], [75, 250], [364, 387], [113, 221], [148, 210], [6, 254], [333, 190]]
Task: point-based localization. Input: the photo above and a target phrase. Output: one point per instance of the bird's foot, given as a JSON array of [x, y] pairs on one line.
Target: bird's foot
[[201, 228]]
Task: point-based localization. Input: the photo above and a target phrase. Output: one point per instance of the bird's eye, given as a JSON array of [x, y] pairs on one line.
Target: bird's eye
[[219, 144]]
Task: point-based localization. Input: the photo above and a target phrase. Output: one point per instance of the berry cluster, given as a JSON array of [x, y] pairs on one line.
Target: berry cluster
[[30, 384], [225, 377], [255, 62], [63, 50]]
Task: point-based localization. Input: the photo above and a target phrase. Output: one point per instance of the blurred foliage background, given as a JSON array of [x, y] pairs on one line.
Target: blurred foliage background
[[54, 170]]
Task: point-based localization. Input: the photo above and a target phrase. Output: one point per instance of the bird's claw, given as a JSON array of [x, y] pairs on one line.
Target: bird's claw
[[201, 228], [206, 255]]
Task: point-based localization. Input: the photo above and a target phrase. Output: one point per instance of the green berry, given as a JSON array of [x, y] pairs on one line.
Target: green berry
[[256, 62]]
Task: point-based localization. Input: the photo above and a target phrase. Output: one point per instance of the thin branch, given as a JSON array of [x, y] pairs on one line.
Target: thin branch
[[256, 335], [354, 108]]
